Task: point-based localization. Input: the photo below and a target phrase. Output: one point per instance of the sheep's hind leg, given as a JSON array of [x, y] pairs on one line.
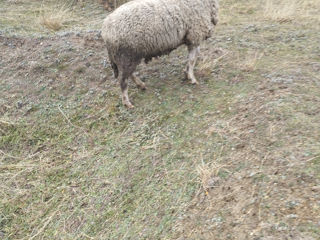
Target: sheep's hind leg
[[192, 58], [124, 90], [137, 80]]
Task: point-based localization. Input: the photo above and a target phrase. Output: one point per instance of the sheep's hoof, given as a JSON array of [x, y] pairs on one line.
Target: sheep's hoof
[[195, 82], [142, 87], [186, 76], [129, 105]]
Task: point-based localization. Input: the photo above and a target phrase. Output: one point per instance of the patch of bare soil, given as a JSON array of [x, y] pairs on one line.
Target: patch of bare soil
[[36, 69]]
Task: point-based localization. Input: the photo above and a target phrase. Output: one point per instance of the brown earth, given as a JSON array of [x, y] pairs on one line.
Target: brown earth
[[237, 157]]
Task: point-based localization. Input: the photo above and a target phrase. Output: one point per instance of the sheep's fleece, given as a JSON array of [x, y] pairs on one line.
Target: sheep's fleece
[[143, 29]]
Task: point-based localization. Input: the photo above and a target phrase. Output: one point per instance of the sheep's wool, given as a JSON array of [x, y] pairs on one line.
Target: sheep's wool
[[148, 28]]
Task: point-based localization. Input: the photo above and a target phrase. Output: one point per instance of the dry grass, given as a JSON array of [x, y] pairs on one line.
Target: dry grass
[[251, 61], [288, 10], [23, 18], [210, 61], [55, 17], [283, 11], [209, 174], [231, 10]]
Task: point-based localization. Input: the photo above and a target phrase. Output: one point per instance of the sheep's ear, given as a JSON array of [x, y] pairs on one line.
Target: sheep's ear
[[215, 21]]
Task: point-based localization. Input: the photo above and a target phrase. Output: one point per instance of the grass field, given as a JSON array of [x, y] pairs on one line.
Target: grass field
[[237, 157]]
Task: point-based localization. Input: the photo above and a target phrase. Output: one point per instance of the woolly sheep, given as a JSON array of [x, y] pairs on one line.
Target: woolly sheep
[[143, 29]]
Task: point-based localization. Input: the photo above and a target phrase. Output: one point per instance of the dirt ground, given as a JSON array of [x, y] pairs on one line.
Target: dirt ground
[[237, 157]]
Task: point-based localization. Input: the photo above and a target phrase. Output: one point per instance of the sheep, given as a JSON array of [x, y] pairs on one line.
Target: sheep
[[144, 29]]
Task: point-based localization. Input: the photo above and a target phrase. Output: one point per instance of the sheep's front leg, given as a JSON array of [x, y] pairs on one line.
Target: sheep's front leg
[[192, 58], [139, 83], [124, 90]]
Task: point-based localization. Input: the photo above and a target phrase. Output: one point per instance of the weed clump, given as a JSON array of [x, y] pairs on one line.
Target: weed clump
[[55, 17]]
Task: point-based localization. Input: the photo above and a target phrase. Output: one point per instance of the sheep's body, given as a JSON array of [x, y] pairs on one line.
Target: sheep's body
[[142, 29]]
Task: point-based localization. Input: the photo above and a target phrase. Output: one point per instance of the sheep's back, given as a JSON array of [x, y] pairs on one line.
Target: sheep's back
[[152, 27], [144, 26]]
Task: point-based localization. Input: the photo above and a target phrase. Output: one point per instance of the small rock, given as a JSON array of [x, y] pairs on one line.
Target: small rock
[[281, 227], [213, 182], [19, 104], [104, 93], [98, 35], [281, 80], [162, 75], [292, 204], [251, 28], [216, 220], [105, 63]]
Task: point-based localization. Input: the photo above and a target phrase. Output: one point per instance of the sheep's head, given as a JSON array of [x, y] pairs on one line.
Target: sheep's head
[[107, 4]]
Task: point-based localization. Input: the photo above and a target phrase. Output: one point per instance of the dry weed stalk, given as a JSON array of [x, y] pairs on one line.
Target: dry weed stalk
[[208, 62], [209, 174]]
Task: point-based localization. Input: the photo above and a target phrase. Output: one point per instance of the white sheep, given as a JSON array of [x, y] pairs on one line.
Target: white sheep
[[143, 29]]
